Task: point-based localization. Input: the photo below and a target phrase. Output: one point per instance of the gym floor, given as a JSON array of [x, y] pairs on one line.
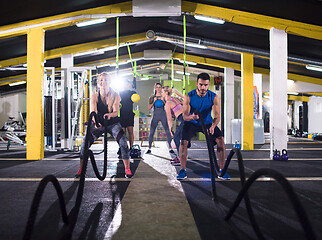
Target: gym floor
[[153, 204]]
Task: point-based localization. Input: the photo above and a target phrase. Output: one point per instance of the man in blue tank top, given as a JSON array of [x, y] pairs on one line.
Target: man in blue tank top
[[204, 101]]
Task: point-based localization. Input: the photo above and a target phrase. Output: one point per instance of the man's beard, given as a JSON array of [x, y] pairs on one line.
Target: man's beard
[[202, 91]]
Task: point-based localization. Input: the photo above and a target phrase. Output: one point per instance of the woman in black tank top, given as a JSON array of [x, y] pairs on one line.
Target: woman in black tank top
[[106, 104]]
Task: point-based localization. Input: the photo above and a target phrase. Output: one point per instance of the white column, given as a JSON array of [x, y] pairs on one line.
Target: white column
[[228, 103], [278, 90], [67, 61], [258, 82]]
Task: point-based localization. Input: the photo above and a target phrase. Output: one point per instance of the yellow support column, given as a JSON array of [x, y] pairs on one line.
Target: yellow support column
[[85, 103], [247, 131], [35, 106]]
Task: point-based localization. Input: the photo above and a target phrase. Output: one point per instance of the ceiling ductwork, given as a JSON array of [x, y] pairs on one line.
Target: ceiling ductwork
[[161, 36]]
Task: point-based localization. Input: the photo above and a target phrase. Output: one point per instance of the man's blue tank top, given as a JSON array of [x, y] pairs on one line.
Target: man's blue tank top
[[202, 104]]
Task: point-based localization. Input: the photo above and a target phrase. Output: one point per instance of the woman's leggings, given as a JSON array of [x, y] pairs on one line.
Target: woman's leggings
[[116, 131], [177, 135], [159, 114]]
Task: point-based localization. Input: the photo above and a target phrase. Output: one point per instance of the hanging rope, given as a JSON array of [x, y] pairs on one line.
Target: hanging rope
[[188, 79], [172, 73], [184, 56], [165, 67], [243, 194], [117, 44], [68, 219]]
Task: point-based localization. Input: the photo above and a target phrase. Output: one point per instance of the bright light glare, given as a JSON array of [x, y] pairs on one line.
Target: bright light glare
[[289, 82], [91, 22], [117, 83], [182, 73], [196, 45], [209, 19]]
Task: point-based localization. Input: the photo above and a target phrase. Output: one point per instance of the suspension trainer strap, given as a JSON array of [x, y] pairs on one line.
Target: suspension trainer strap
[[117, 44], [172, 73], [184, 55]]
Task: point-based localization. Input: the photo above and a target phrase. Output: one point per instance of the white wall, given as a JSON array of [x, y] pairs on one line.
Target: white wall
[[315, 115], [11, 105]]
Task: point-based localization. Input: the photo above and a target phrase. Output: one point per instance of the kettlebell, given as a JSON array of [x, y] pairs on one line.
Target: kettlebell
[[276, 155], [284, 156], [237, 145]]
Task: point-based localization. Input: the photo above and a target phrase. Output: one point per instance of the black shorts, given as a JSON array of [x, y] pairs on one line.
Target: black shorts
[[127, 120], [190, 130]]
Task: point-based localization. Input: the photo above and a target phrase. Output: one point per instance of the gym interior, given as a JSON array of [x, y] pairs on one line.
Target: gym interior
[[264, 62]]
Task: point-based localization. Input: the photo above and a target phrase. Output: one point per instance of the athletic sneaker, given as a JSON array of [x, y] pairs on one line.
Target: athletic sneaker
[[78, 174], [182, 174], [149, 151], [128, 173], [225, 177], [175, 161]]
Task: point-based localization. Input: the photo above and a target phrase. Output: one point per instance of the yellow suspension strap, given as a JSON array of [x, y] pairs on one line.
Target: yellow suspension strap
[[170, 59], [172, 73], [188, 79], [133, 66], [135, 73], [184, 56], [117, 45]]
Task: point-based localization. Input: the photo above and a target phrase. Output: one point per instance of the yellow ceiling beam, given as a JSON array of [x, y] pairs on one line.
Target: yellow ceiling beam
[[13, 79], [222, 64], [254, 20], [78, 48], [315, 93], [303, 78], [84, 47], [63, 20], [298, 98], [23, 77], [229, 15]]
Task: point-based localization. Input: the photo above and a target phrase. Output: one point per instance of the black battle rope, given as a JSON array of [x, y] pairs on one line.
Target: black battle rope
[[287, 187], [50, 178]]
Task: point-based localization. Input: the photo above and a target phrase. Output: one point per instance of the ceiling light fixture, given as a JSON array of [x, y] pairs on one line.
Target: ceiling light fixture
[[91, 22], [188, 62], [209, 19], [144, 78], [314, 68], [182, 73], [106, 49], [17, 83], [196, 45], [292, 93]]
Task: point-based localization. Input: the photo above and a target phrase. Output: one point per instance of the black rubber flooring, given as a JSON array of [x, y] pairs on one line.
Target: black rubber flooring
[[272, 208]]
